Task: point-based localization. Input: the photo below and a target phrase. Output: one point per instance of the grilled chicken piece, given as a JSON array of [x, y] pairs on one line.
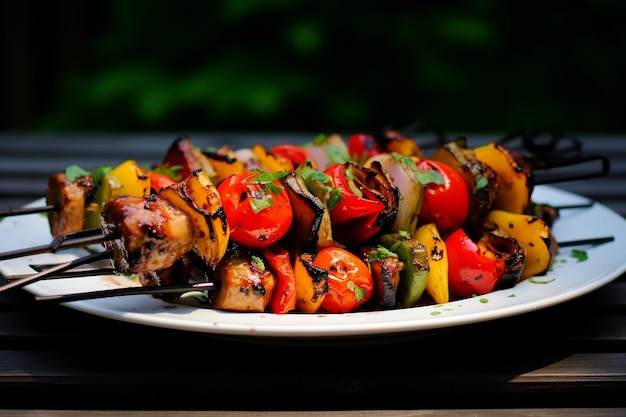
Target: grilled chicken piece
[[189, 268], [153, 233], [69, 200], [245, 285]]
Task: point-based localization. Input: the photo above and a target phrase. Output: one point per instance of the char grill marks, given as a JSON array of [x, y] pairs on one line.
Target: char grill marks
[[152, 233]]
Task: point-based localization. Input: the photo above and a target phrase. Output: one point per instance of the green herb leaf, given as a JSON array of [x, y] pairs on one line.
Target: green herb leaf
[[261, 203], [381, 253], [359, 293], [73, 172], [258, 262], [480, 182], [580, 255], [333, 198], [337, 154], [314, 175]]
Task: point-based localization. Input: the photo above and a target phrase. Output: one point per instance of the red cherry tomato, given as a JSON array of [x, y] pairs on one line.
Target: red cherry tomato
[[362, 146], [257, 208], [447, 204], [350, 282], [294, 153], [472, 268]]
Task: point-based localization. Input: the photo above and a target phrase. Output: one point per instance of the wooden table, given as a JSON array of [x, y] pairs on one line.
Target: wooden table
[[569, 359]]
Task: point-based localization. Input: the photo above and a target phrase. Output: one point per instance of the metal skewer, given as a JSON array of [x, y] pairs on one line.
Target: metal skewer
[[69, 240], [74, 273], [28, 210], [116, 292], [62, 267]]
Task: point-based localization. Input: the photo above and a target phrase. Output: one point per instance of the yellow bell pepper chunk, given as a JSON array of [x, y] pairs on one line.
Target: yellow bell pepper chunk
[[437, 283], [128, 178]]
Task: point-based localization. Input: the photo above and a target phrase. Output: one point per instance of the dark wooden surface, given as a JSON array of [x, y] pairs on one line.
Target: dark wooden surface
[[569, 359]]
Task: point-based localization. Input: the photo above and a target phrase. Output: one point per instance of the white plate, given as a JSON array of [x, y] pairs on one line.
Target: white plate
[[568, 278]]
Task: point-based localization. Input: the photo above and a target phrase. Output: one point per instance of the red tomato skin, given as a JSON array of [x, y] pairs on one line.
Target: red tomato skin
[[362, 146], [345, 272], [447, 205], [294, 153], [470, 272], [247, 228]]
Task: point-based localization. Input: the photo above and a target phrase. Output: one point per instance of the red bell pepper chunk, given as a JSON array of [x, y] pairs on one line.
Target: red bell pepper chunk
[[284, 296]]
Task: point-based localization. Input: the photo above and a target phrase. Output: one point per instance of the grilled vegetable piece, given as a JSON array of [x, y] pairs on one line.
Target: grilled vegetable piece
[[328, 150], [514, 177], [385, 267], [481, 261], [225, 163], [415, 266], [545, 212], [69, 198], [198, 198], [245, 284], [152, 232], [480, 178], [437, 284], [392, 141], [509, 253], [128, 178], [311, 283], [283, 299], [402, 172], [368, 203], [310, 228], [269, 161], [532, 233], [184, 154]]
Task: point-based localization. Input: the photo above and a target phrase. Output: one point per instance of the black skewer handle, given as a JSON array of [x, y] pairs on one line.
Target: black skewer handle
[[70, 240], [62, 267], [28, 210], [116, 292]]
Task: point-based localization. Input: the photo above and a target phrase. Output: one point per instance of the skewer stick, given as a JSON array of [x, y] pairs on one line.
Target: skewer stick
[[69, 240], [582, 242], [28, 210], [116, 292], [62, 267], [74, 273]]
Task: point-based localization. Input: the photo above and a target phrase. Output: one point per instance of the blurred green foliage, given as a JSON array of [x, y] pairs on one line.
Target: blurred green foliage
[[300, 65]]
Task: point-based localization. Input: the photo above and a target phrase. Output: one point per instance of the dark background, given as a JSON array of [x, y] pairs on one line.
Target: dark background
[[299, 65]]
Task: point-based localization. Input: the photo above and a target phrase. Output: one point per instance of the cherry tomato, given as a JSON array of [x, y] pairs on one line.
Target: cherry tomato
[[446, 204], [472, 268], [257, 208], [362, 146], [350, 282], [294, 153]]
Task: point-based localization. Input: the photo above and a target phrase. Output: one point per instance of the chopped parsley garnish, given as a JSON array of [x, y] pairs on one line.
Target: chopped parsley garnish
[[258, 262], [580, 255], [480, 182], [381, 253]]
